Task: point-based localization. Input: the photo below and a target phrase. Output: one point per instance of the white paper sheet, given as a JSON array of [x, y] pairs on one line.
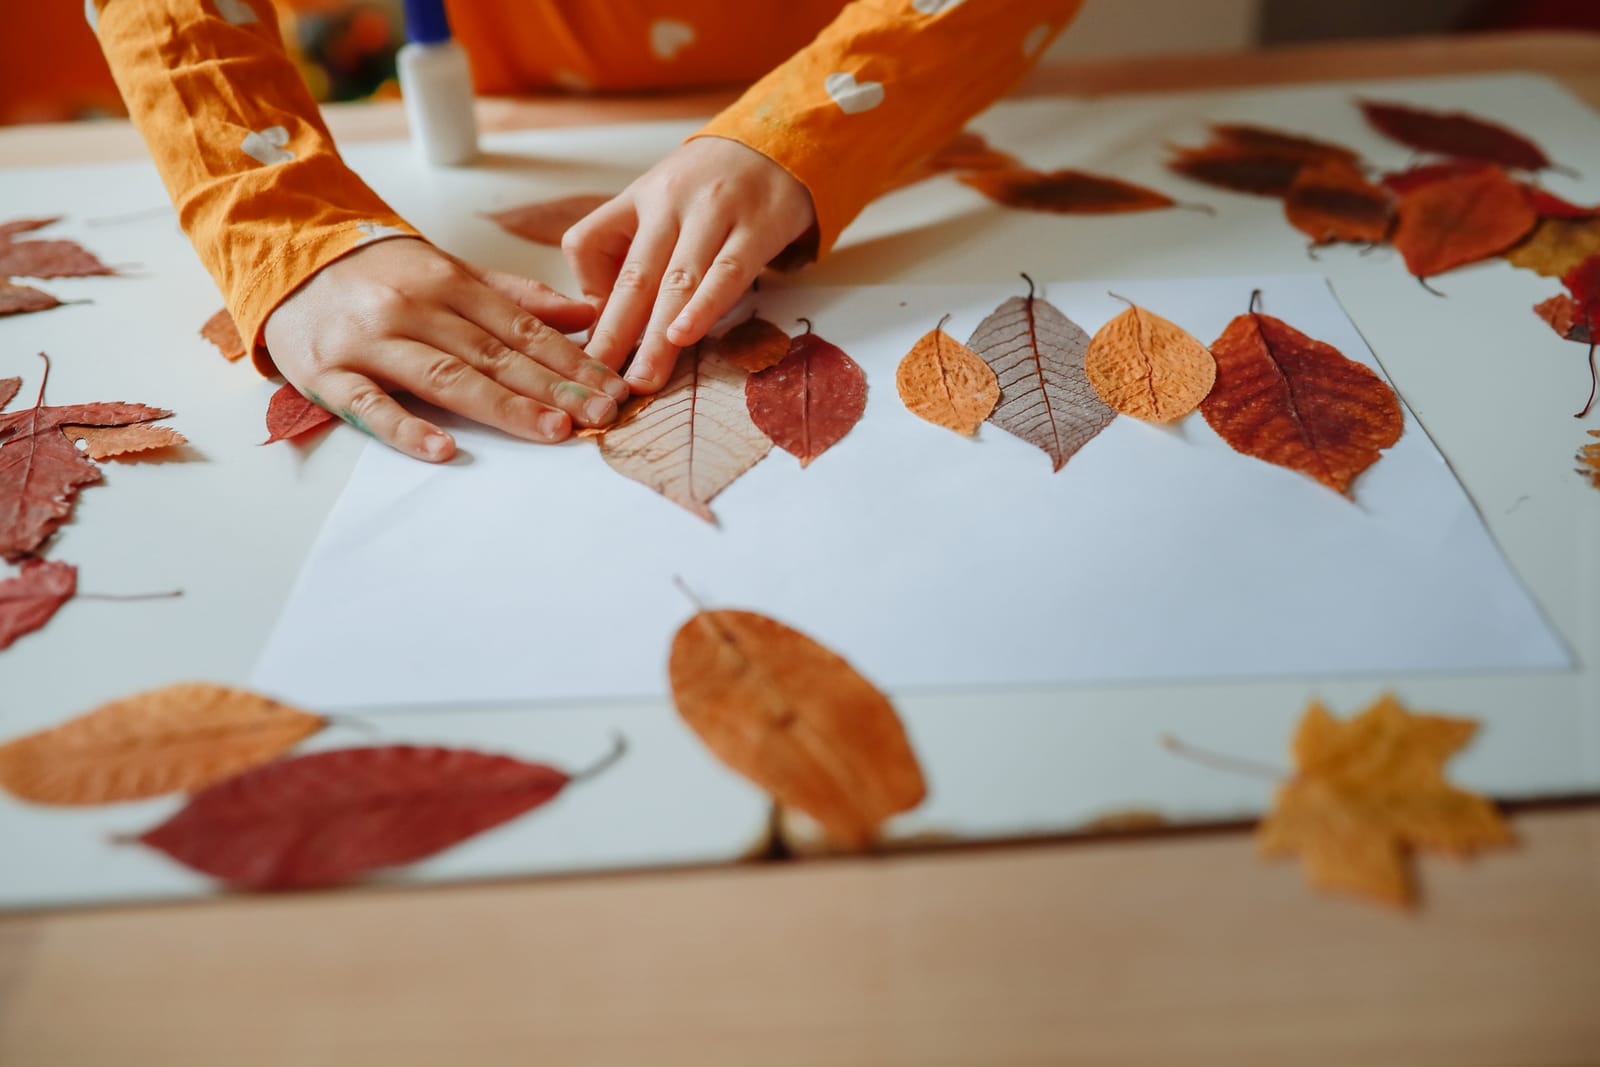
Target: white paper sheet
[[535, 573]]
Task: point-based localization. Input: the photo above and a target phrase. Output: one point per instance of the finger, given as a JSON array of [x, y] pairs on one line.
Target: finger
[[726, 281], [362, 403], [444, 379], [596, 245], [567, 314], [697, 244], [633, 294]]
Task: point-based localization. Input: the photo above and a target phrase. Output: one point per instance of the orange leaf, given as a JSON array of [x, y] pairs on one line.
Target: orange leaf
[[1065, 192], [167, 740], [1287, 399], [104, 442], [947, 383], [752, 346], [1331, 201], [1557, 245], [1450, 223], [796, 719], [1561, 312], [1589, 456], [1144, 366], [545, 221], [1370, 789], [221, 331]]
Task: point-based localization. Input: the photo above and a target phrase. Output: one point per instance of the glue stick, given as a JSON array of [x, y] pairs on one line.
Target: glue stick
[[436, 85]]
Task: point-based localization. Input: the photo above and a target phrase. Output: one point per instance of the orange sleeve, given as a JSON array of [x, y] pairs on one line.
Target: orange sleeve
[[883, 86], [260, 189]]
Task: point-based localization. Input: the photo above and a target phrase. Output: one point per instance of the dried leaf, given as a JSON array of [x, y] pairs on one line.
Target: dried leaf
[[1450, 223], [947, 383], [1583, 282], [8, 390], [796, 719], [752, 346], [695, 439], [1145, 366], [328, 817], [1369, 790], [168, 740], [222, 331], [1401, 182], [22, 299], [1561, 312], [10, 229], [810, 399], [968, 150], [48, 259], [1550, 206], [1280, 143], [1453, 133], [106, 442], [1589, 457], [1332, 201], [545, 221], [1240, 170], [30, 598], [1065, 192], [1557, 245], [1300, 403], [290, 415]]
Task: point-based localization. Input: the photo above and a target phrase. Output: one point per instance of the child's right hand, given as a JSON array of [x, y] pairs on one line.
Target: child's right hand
[[402, 315]]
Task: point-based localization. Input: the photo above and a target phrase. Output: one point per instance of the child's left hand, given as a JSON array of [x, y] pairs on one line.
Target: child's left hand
[[675, 250]]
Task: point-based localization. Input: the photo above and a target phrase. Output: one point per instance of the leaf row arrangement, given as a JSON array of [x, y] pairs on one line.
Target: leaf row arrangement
[[39, 259]]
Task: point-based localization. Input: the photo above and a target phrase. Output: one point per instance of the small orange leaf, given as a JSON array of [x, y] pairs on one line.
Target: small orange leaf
[[796, 719], [1369, 790], [221, 331], [1589, 457], [1065, 192], [947, 383], [1557, 245], [752, 346], [1332, 201], [104, 442], [161, 741], [1144, 366], [1561, 312]]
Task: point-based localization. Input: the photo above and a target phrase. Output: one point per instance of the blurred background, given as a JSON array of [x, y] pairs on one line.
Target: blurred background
[[51, 70]]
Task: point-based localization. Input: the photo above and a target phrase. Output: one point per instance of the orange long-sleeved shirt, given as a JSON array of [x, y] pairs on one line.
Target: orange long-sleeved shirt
[[854, 95]]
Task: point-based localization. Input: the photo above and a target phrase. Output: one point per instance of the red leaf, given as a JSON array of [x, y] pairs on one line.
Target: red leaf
[[1454, 133], [48, 259], [1583, 282], [1401, 182], [1451, 223], [29, 599], [1279, 143], [1332, 202], [810, 399], [8, 390], [20, 299], [328, 817], [1551, 206], [290, 415], [1065, 192], [221, 331]]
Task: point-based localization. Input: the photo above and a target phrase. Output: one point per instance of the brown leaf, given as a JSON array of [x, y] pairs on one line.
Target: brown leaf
[[32, 596], [290, 415], [796, 719], [752, 346], [809, 400], [48, 259], [947, 383], [1285, 398], [8, 390], [169, 740], [1589, 457], [1145, 366], [1262, 139], [8, 230], [1332, 201], [1370, 790], [22, 299], [545, 221], [221, 331], [1037, 353], [694, 439], [1239, 170], [1450, 223], [1065, 192], [1557, 245], [1454, 133], [106, 442]]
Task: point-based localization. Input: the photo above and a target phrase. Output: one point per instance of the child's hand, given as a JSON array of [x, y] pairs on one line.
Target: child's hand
[[678, 248], [402, 315]]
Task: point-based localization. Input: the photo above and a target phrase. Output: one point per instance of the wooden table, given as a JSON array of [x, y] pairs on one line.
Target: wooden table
[[1172, 949]]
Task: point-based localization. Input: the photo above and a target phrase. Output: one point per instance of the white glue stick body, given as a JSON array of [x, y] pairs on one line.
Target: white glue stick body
[[436, 86]]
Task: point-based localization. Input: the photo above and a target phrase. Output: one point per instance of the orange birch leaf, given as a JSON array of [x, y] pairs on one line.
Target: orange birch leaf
[[796, 719], [1588, 458], [1065, 192], [1332, 201], [106, 442], [176, 739], [947, 383], [1036, 354], [221, 331], [1370, 790], [752, 346], [1285, 398], [1557, 245], [807, 402], [1145, 366], [694, 439], [24, 299], [1450, 223], [545, 221]]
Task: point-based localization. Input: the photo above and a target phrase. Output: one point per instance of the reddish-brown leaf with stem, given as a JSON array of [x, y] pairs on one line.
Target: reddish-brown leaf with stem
[[1583, 282], [809, 400], [1457, 221], [48, 259], [23, 299], [1454, 133], [545, 221], [32, 596], [1332, 201], [290, 415], [1065, 192]]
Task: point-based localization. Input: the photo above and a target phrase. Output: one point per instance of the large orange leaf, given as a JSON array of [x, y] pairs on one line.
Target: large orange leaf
[[1333, 201], [178, 738], [796, 719], [1065, 192], [1450, 223], [1371, 789], [1036, 353], [1557, 245], [1145, 366], [1288, 399], [808, 401], [947, 383]]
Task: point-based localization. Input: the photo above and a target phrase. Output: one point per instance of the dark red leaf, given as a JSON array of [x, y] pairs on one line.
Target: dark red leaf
[[290, 415], [1551, 206], [1583, 282], [1241, 170], [21, 299], [810, 399], [1065, 192], [48, 259], [1451, 223], [328, 817], [1261, 139], [1454, 133], [29, 599], [1401, 182]]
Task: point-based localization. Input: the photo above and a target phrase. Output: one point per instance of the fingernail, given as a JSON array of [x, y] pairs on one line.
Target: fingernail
[[599, 409], [553, 424], [435, 445], [681, 323], [638, 384]]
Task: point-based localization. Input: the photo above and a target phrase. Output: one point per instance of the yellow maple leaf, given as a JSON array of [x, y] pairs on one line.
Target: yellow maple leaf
[[1370, 789]]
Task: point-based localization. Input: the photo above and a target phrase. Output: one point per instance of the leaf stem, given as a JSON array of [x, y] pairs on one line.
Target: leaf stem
[[1565, 171], [619, 747], [1204, 209], [809, 328], [1255, 302], [1219, 761], [124, 597], [943, 321], [1424, 283], [1594, 382], [683, 587], [1030, 284]]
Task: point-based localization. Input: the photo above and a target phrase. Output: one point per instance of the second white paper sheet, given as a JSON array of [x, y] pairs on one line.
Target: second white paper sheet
[[535, 573]]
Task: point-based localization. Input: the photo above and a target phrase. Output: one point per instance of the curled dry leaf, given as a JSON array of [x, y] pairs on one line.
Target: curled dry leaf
[[1037, 353], [752, 346], [169, 740], [1065, 192], [1583, 282], [1588, 458], [1288, 399], [327, 817], [31, 597], [694, 439], [809, 400], [1369, 790], [1145, 366], [1456, 221], [222, 331], [947, 383], [545, 221], [796, 719], [291, 415], [23, 299], [1557, 245], [1454, 133], [1331, 201]]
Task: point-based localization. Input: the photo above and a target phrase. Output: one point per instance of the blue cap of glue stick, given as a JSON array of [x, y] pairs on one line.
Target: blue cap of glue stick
[[426, 22]]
